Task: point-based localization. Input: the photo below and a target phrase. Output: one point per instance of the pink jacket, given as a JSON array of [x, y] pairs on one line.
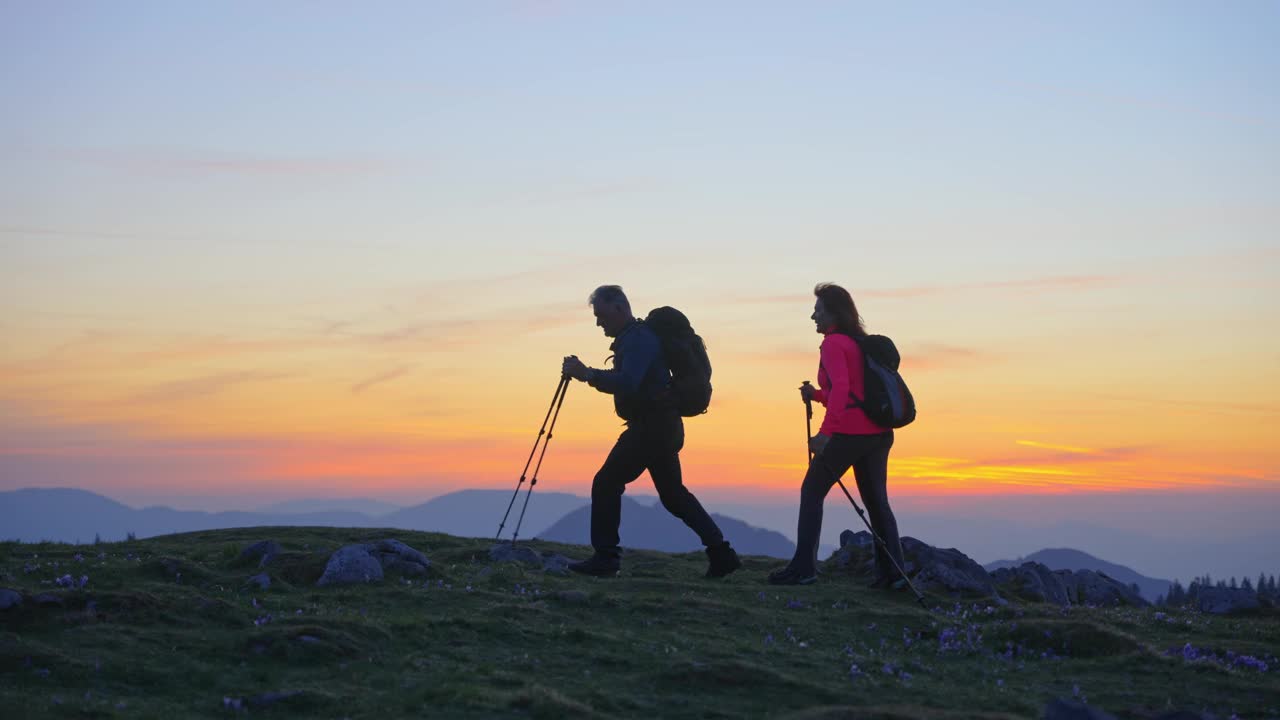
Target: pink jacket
[[840, 372]]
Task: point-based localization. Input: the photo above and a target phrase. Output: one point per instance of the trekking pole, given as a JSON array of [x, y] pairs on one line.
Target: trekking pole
[[560, 389], [564, 390], [808, 411]]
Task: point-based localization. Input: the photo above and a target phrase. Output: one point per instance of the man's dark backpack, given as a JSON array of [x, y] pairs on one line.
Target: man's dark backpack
[[888, 402], [686, 355]]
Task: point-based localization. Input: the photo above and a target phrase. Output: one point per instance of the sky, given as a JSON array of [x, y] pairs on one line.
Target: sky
[[252, 252]]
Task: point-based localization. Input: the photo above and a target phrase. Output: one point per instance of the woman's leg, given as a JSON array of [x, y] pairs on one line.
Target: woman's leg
[[824, 471], [871, 471]]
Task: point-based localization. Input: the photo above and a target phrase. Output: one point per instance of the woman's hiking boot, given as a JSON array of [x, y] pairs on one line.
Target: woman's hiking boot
[[888, 582], [790, 576], [597, 565]]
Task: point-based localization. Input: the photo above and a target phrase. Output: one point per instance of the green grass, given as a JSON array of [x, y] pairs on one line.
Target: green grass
[[484, 640]]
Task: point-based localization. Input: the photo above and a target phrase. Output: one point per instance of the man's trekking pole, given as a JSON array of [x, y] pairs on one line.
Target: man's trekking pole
[[556, 401], [534, 480], [808, 427]]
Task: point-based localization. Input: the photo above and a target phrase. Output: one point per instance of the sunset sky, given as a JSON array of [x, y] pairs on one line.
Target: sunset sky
[[257, 251]]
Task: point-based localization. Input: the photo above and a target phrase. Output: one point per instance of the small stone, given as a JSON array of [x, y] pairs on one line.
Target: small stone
[[262, 550], [47, 600]]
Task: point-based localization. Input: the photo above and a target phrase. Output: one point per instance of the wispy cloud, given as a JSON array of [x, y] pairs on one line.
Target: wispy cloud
[[1063, 448], [205, 385], [382, 377], [1213, 406]]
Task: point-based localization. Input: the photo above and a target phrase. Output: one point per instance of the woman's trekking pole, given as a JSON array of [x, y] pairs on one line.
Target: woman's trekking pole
[[556, 401], [808, 426]]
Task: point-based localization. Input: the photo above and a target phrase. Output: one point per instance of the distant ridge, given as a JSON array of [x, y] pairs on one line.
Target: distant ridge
[[477, 513], [367, 506], [73, 515], [1071, 559]]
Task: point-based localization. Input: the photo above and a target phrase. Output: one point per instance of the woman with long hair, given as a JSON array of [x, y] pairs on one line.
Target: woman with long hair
[[846, 439]]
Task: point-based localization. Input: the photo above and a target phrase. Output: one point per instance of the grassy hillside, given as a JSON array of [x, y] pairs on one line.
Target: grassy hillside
[[166, 627]]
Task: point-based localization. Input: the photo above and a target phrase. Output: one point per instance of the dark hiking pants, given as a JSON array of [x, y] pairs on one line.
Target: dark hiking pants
[[868, 455], [651, 444]]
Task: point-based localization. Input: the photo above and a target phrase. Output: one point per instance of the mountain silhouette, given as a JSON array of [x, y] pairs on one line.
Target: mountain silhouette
[[366, 506], [1070, 559], [74, 515], [477, 513], [651, 527]]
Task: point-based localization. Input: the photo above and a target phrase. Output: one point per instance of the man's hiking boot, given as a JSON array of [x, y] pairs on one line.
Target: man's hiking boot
[[789, 576], [597, 566], [724, 560]]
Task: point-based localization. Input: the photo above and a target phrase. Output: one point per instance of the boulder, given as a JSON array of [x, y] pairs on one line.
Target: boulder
[[10, 599], [547, 561], [369, 562], [946, 570], [1089, 587], [395, 555], [1034, 581], [351, 564], [861, 539]]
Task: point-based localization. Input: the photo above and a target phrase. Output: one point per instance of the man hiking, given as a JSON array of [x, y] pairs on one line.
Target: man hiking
[[652, 439]]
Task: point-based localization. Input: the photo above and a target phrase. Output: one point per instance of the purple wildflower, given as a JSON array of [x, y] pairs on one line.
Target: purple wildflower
[[795, 605], [854, 672], [1251, 662]]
